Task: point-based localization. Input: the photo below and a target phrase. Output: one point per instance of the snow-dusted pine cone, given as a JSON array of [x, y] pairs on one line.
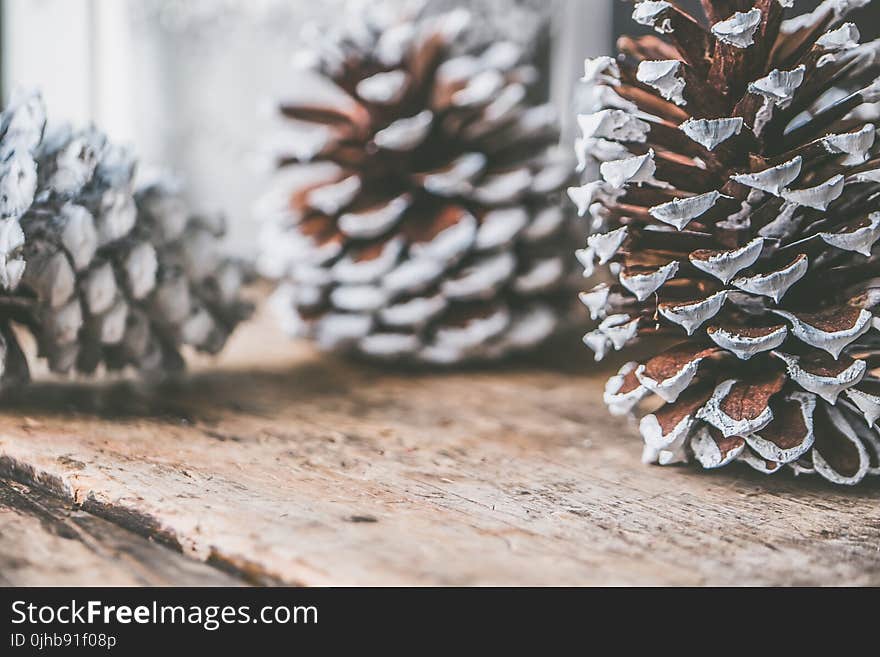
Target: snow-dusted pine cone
[[433, 231], [738, 207], [99, 273]]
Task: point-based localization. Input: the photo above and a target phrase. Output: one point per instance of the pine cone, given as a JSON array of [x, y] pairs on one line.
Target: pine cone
[[433, 232], [738, 209], [97, 273]]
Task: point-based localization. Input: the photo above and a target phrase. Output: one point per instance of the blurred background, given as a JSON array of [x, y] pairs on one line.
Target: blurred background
[[191, 83]]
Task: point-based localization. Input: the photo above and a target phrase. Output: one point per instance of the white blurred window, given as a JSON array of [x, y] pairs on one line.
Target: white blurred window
[[77, 53]]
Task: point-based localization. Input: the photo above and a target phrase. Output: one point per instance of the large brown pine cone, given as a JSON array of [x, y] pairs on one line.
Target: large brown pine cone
[[434, 231], [99, 273], [738, 210]]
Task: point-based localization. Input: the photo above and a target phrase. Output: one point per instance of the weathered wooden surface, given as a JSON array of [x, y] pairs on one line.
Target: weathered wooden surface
[[281, 465], [47, 541]]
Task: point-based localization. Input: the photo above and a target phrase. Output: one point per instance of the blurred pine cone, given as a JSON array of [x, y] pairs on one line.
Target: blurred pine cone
[[99, 273], [433, 231], [738, 209]]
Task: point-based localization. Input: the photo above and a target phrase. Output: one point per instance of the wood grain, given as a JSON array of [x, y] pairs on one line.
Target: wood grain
[[46, 541], [285, 466]]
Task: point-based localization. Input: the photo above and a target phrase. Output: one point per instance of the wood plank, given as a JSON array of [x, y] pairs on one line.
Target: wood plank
[[287, 466], [46, 541]]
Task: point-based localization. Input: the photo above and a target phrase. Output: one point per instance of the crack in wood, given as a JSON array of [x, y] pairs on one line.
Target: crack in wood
[[45, 540]]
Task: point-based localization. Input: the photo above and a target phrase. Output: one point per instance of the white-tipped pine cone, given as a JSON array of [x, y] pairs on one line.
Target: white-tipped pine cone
[[99, 273], [433, 231], [738, 209]]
